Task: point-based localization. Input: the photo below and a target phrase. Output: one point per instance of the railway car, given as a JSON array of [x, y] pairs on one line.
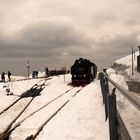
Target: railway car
[[56, 72], [83, 71]]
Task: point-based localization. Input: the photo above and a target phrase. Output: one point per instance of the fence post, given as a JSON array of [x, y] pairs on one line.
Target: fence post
[[106, 93], [112, 110], [100, 76]]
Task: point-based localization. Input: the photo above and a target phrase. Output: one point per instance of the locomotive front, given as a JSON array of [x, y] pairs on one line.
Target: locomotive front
[[83, 72]]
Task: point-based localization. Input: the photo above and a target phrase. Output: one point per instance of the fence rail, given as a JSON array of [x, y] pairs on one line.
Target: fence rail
[[117, 128], [126, 93]]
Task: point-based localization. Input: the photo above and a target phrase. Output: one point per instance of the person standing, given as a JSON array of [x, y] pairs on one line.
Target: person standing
[[9, 75], [33, 74], [47, 72], [3, 77], [36, 74]]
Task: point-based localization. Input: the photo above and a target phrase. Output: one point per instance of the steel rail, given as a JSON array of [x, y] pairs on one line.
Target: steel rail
[[33, 136], [5, 109], [6, 134], [135, 101]]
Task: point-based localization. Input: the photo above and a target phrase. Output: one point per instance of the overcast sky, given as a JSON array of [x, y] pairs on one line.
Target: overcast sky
[[55, 33]]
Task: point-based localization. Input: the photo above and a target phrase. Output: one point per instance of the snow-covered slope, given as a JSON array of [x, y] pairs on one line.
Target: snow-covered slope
[[123, 67]]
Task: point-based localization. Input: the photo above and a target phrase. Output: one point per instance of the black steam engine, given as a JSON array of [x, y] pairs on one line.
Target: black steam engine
[[83, 72]]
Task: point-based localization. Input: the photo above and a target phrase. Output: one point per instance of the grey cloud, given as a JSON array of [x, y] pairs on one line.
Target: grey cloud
[[110, 48], [124, 12], [132, 22], [104, 17], [47, 38], [55, 34], [135, 1], [118, 43], [58, 40], [13, 2]]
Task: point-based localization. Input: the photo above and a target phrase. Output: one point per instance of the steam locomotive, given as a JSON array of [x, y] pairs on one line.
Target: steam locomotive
[[83, 72]]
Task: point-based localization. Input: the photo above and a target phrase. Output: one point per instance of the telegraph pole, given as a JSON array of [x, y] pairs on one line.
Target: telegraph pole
[[28, 67], [64, 69], [132, 62], [138, 61]]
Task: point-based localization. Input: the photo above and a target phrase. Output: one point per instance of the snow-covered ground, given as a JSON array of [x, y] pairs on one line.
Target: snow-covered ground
[[81, 119]]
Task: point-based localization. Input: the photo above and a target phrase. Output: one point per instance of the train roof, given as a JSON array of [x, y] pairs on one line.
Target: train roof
[[83, 61]]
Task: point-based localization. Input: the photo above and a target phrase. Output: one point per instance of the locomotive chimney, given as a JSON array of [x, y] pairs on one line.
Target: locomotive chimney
[[138, 60]]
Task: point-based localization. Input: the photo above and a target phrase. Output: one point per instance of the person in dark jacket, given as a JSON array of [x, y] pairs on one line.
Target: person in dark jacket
[[3, 77], [9, 75], [47, 72], [33, 74], [36, 74]]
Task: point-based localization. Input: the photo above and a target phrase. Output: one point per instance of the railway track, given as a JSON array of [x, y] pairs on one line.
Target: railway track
[[23, 95], [6, 134], [40, 128], [33, 136], [32, 92]]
